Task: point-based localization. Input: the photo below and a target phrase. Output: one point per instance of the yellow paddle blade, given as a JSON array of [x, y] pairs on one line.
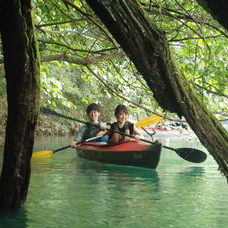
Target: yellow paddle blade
[[148, 121], [42, 153]]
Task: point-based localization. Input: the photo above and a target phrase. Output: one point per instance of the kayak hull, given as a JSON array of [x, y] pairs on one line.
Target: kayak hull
[[128, 154]]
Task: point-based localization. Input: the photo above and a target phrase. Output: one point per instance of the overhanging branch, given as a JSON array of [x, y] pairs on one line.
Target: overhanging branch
[[81, 61]]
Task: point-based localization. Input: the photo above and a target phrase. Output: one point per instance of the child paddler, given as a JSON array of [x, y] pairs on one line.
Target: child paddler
[[122, 125], [90, 129]]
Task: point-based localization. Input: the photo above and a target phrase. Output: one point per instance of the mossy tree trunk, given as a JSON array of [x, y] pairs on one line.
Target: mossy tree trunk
[[21, 61], [148, 49], [218, 9]]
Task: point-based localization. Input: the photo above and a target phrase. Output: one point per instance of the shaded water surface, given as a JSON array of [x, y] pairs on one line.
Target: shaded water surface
[[67, 191]]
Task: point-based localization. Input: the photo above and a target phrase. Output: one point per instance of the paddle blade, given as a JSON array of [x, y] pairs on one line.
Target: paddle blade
[[148, 121], [42, 153], [191, 155]]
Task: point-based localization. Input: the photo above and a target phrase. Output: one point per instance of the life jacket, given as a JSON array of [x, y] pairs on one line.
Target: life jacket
[[126, 126], [90, 131]]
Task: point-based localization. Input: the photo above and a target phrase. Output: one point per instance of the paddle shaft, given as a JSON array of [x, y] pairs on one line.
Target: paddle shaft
[[87, 140], [170, 148], [62, 148], [130, 136], [49, 111]]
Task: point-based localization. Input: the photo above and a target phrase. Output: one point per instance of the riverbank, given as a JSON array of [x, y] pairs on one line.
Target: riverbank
[[46, 125]]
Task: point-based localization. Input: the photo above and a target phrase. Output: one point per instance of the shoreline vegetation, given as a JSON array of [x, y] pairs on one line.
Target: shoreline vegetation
[[46, 125]]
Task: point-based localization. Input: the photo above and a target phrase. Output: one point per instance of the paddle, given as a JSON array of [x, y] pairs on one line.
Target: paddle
[[189, 154], [148, 121], [50, 152]]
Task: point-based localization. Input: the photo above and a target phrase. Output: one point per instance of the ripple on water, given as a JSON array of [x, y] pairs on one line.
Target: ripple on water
[[66, 191]]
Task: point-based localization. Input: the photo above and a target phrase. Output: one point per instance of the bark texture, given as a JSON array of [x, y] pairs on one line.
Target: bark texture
[[218, 9], [21, 63], [148, 49]]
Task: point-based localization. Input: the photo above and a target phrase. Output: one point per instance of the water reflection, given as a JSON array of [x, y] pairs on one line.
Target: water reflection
[[92, 188], [11, 218], [193, 171], [68, 191], [133, 174], [44, 162], [116, 187]]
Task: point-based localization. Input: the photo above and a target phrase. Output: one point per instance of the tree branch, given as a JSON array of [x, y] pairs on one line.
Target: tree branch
[[210, 91], [179, 15], [76, 49], [81, 61]]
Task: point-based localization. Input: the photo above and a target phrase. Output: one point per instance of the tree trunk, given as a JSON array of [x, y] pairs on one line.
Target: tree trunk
[[218, 9], [21, 61], [148, 49]]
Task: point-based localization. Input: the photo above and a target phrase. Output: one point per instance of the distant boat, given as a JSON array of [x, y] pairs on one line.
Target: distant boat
[[168, 132]]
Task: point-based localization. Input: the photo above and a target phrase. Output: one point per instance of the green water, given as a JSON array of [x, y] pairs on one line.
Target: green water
[[67, 191]]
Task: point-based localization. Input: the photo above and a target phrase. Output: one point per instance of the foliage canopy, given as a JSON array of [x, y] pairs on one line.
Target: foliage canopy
[[82, 63]]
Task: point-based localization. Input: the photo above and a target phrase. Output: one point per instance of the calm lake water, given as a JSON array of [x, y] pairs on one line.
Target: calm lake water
[[67, 191]]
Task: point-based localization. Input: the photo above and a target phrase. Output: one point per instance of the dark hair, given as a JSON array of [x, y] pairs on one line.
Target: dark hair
[[121, 108], [93, 107]]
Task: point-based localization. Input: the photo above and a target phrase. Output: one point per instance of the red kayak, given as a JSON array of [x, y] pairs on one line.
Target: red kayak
[[128, 153]]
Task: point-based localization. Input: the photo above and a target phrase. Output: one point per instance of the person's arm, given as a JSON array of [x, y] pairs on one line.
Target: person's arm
[[103, 129], [137, 133], [78, 137], [126, 138]]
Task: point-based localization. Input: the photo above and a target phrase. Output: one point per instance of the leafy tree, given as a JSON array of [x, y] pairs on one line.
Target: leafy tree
[[70, 32]]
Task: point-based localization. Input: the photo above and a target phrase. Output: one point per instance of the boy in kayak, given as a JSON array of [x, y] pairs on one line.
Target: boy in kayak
[[122, 125], [92, 128]]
